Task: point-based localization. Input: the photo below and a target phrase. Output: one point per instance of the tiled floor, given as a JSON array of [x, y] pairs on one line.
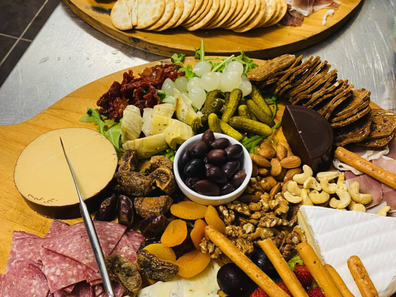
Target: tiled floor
[[20, 22]]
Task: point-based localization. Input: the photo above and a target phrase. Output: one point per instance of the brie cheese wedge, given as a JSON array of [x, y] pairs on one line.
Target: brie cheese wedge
[[204, 284], [337, 235]]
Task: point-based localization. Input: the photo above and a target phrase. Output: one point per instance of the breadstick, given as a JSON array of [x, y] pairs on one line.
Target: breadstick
[[338, 281], [284, 271], [317, 270], [361, 277], [365, 166], [243, 262]]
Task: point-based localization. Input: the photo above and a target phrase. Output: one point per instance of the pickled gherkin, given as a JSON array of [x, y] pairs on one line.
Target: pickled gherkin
[[214, 123], [244, 111], [260, 101], [230, 131], [248, 125], [231, 107], [259, 113], [213, 104]]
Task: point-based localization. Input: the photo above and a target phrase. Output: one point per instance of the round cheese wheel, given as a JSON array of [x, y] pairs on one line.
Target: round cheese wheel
[[43, 178]]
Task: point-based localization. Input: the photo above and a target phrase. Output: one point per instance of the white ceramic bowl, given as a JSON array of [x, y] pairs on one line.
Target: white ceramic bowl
[[246, 165]]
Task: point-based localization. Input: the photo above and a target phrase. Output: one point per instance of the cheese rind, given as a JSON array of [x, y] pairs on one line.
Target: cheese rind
[[337, 235], [43, 178]]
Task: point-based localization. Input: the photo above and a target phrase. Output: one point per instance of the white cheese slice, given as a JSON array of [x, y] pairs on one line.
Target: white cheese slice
[[204, 284], [43, 177], [336, 235]]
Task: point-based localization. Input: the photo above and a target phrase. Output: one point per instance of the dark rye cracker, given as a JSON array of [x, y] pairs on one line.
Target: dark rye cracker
[[276, 76], [359, 100], [262, 72], [351, 119], [376, 144], [323, 94], [318, 82], [330, 85], [383, 123], [340, 91], [329, 105], [304, 77], [341, 98], [355, 132]]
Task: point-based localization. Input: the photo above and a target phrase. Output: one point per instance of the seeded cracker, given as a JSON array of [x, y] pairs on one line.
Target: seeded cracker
[[321, 101], [358, 101], [351, 119], [355, 132], [276, 76], [272, 66], [376, 144], [383, 123]]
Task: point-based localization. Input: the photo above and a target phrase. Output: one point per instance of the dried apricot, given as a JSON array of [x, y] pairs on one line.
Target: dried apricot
[[161, 251], [192, 263], [197, 233], [175, 233], [212, 218], [188, 210]]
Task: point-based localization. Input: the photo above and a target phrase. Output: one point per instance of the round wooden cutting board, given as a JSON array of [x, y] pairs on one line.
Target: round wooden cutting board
[[258, 43]]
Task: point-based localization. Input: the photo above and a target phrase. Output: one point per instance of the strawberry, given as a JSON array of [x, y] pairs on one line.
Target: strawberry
[[259, 293], [315, 292], [284, 288], [303, 275]]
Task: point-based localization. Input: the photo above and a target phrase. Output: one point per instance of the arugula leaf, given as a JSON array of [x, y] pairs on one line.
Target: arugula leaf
[[110, 129], [189, 74], [169, 153], [248, 63], [294, 261], [277, 125], [200, 52], [162, 94], [219, 66], [251, 142], [177, 58]]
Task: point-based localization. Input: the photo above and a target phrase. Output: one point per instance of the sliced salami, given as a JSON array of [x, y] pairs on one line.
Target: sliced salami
[[135, 238], [57, 227], [98, 289], [82, 289], [125, 248], [61, 271], [74, 242]]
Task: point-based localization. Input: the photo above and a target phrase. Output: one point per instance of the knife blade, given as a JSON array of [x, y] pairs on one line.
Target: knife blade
[[93, 237]]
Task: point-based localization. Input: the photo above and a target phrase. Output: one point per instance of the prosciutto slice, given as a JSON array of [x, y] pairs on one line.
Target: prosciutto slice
[[368, 185], [306, 7], [389, 194]]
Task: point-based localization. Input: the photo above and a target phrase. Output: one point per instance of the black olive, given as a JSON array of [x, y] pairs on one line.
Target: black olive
[[196, 167], [238, 179], [216, 156], [216, 175], [185, 157], [199, 149], [208, 137], [220, 143], [190, 181], [206, 187], [230, 168], [234, 151], [226, 189]]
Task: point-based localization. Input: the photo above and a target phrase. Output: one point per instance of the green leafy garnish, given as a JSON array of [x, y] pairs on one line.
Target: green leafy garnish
[[220, 65], [169, 153], [200, 52], [272, 100], [178, 58], [109, 128], [162, 94], [294, 261], [248, 63], [277, 125], [251, 142], [188, 70]]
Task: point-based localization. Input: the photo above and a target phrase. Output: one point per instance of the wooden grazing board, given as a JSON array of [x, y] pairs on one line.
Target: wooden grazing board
[[258, 43], [14, 212]]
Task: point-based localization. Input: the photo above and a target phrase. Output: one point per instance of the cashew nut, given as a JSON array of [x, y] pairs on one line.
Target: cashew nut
[[312, 183], [304, 197], [356, 206], [318, 197], [384, 211], [328, 175], [356, 196], [341, 182], [345, 198], [292, 198], [293, 188], [328, 188], [334, 202], [300, 178]]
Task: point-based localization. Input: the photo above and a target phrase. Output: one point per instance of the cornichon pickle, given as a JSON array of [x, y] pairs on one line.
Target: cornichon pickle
[[244, 111], [214, 123], [107, 210], [259, 113], [260, 101], [235, 96], [230, 131], [125, 211], [248, 125], [213, 104]]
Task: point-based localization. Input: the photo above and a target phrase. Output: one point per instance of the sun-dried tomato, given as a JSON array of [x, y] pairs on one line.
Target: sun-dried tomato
[[140, 91]]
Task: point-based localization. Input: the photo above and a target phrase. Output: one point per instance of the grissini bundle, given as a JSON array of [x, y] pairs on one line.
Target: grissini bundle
[[361, 277], [338, 281]]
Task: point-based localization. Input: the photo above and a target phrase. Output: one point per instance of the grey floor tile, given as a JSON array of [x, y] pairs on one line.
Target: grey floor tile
[[6, 44]]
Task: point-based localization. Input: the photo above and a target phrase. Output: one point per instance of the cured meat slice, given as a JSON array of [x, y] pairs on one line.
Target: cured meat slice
[[82, 289], [61, 271], [26, 281], [98, 289], [56, 228], [389, 193], [69, 289], [368, 185], [135, 238], [74, 242], [126, 249], [117, 288]]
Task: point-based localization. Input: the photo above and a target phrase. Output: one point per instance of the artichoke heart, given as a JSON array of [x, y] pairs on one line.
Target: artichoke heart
[[185, 112], [131, 123], [177, 133], [160, 123], [147, 146], [147, 119], [164, 179], [166, 110]]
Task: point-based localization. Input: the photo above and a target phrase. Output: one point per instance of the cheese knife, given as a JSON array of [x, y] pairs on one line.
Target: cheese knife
[[93, 237]]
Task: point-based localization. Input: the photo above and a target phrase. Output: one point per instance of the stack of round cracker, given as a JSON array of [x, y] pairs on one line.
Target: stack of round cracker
[[158, 15]]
